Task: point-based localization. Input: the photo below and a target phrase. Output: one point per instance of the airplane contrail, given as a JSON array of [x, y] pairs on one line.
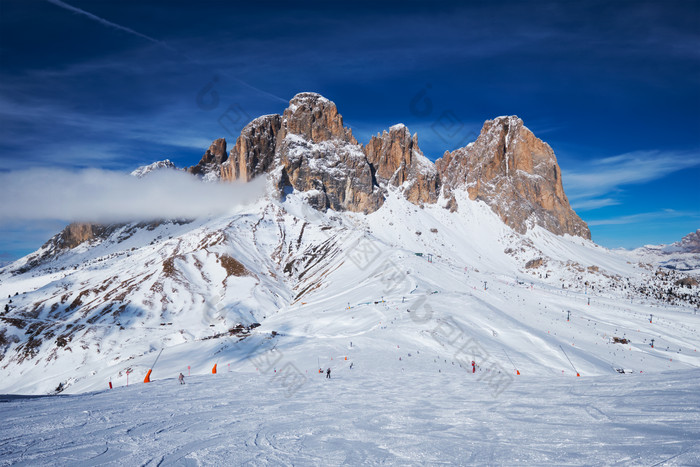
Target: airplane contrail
[[61, 4], [101, 20]]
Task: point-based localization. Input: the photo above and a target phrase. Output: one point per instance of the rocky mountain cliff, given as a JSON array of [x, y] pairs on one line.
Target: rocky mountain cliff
[[516, 174], [317, 154], [310, 150], [209, 166], [398, 161], [254, 153]]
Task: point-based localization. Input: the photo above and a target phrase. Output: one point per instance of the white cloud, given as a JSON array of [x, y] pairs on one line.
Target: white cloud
[[105, 196], [645, 217], [594, 183], [589, 204]]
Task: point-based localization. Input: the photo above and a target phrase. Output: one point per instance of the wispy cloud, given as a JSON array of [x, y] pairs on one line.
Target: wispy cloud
[[595, 184], [589, 204], [104, 196], [73, 137], [645, 217]]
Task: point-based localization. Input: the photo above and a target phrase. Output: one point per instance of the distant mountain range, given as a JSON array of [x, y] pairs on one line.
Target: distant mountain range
[[683, 255]]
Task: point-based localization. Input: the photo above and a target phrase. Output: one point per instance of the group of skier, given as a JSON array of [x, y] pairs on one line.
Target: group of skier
[[181, 377]]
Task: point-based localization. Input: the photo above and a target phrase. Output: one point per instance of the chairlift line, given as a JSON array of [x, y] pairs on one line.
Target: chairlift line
[[154, 363], [567, 357], [511, 362]]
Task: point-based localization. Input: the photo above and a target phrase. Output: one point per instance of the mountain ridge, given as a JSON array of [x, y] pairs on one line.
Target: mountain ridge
[[309, 149], [510, 169]]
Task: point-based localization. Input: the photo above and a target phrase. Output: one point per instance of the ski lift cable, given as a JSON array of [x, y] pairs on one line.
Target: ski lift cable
[[511, 361], [567, 357]]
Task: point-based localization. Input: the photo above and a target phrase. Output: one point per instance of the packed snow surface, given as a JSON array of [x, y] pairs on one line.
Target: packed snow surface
[[363, 416]]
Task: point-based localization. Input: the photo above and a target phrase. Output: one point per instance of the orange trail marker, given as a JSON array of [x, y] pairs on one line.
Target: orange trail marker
[[213, 370]]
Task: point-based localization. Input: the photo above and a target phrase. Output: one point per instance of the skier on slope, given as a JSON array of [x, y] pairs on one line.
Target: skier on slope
[[181, 378], [328, 372]]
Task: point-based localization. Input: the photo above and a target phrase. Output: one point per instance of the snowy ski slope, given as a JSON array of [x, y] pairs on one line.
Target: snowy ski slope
[[363, 416]]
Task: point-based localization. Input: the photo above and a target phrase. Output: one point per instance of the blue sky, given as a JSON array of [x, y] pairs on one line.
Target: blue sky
[[613, 87]]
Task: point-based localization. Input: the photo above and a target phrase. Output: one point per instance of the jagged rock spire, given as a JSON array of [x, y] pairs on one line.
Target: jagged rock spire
[[398, 161]]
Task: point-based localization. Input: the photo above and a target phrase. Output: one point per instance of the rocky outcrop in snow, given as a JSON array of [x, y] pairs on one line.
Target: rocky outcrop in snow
[[319, 155], [690, 243], [315, 118], [209, 166], [516, 174], [398, 161], [80, 232], [314, 152]]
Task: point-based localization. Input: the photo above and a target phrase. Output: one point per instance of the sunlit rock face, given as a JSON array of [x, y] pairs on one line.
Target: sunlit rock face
[[516, 174]]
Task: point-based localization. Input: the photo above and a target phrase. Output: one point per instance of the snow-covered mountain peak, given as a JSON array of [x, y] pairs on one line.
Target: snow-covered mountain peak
[[690, 243], [309, 99], [146, 169], [315, 118], [398, 127], [507, 120]]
